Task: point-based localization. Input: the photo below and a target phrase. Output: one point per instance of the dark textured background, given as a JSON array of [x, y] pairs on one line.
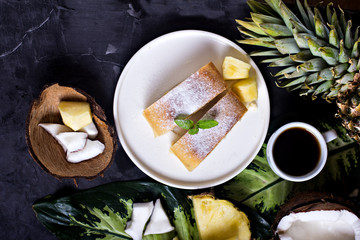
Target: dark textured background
[[86, 44]]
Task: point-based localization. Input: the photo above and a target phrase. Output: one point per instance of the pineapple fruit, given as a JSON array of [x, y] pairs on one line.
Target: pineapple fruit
[[219, 219], [75, 115], [234, 69], [318, 53], [246, 89]]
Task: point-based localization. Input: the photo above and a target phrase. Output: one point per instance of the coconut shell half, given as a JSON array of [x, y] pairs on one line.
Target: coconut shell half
[[48, 153], [313, 201]]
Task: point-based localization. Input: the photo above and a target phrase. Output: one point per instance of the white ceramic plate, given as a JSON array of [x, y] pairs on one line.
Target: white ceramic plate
[[155, 69]]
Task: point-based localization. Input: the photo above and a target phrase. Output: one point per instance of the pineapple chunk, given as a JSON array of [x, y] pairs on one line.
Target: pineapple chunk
[[219, 219], [246, 90], [234, 68], [75, 115]]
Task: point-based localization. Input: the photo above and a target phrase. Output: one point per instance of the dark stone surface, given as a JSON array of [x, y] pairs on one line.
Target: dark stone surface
[[86, 44]]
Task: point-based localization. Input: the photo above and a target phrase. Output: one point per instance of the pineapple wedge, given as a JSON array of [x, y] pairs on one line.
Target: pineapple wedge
[[234, 68], [246, 89], [219, 219], [75, 115]]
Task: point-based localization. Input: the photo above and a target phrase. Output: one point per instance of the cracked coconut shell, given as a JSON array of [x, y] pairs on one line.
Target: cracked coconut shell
[[48, 153], [320, 204]]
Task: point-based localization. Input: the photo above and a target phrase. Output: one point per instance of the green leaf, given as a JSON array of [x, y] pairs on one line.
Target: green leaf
[[333, 37], [312, 78], [303, 14], [301, 40], [292, 82], [306, 93], [326, 74], [184, 123], [329, 54], [320, 28], [335, 22], [329, 11], [356, 34], [285, 70], [270, 60], [275, 30], [355, 49], [314, 46], [310, 14], [287, 15], [299, 28], [258, 7], [287, 45], [314, 65], [245, 33], [343, 54], [260, 53], [261, 18], [102, 212], [282, 62], [263, 42], [342, 20], [205, 124], [251, 26], [302, 56], [323, 87], [333, 93], [268, 200], [353, 65], [346, 78], [297, 73], [318, 15], [194, 130], [274, 4], [340, 69], [349, 40]]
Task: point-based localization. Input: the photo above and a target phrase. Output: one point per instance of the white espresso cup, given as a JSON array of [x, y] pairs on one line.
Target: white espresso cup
[[297, 151]]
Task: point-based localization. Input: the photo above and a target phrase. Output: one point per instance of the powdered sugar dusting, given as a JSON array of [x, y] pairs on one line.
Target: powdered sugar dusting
[[186, 98], [227, 112]]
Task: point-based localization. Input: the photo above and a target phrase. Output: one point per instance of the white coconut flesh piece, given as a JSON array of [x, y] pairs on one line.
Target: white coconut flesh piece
[[90, 150], [91, 130], [55, 128], [72, 141], [159, 222], [140, 215], [320, 225]]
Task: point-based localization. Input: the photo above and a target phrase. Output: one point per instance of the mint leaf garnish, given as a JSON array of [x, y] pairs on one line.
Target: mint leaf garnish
[[184, 123], [205, 124], [188, 124], [194, 130]]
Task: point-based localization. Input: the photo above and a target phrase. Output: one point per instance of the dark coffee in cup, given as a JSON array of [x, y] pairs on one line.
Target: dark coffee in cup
[[296, 151]]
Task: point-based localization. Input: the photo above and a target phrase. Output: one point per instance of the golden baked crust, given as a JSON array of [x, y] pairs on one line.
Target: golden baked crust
[[193, 149], [185, 99]]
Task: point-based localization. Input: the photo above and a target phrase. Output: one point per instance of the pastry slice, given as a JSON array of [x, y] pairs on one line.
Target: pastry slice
[[185, 99], [193, 149]]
